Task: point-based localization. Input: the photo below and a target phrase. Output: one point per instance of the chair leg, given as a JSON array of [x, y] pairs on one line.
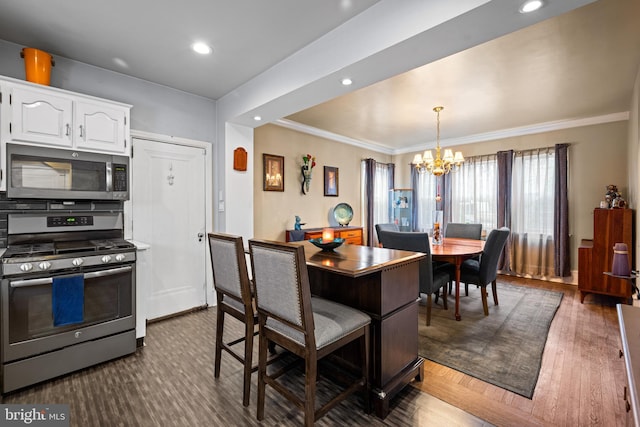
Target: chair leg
[[428, 309], [466, 289], [495, 292], [444, 297], [219, 332], [485, 306], [311, 373], [364, 350], [262, 371], [248, 362]]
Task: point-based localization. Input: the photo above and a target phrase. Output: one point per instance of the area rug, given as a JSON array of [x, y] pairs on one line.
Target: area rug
[[504, 348]]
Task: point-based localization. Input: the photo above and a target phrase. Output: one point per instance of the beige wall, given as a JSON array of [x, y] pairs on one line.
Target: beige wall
[[634, 157], [597, 157], [274, 212]]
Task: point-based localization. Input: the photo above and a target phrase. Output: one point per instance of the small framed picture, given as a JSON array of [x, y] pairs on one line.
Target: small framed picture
[[273, 172], [330, 181]]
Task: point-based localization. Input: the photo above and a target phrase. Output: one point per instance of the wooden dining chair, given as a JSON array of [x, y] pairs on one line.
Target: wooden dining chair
[[485, 271], [309, 327], [234, 295], [431, 281]]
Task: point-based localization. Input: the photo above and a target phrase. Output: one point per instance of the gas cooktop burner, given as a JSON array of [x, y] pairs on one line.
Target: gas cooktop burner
[[59, 248], [29, 250]]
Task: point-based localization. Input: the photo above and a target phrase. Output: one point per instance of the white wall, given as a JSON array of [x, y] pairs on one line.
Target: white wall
[[156, 109]]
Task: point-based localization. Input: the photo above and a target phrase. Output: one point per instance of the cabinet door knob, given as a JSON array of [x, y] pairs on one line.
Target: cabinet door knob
[[81, 132], [68, 130], [620, 353]]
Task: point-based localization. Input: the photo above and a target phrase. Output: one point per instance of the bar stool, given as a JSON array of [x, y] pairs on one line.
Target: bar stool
[[309, 327]]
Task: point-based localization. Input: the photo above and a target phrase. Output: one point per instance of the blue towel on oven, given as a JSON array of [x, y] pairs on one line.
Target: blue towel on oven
[[67, 300]]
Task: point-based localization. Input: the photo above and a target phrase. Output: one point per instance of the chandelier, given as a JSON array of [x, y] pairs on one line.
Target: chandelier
[[439, 165]]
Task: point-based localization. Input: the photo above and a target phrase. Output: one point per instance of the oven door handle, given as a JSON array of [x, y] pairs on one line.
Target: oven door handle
[[110, 272], [31, 282], [49, 280]]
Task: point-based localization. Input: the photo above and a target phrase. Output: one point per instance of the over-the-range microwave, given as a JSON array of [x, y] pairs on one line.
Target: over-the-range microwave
[[35, 172]]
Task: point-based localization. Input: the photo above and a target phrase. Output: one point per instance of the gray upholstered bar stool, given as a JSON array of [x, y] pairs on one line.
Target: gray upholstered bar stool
[[233, 290], [309, 327]]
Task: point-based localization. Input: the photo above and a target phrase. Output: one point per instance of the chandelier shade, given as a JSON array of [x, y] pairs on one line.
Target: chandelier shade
[[438, 165]]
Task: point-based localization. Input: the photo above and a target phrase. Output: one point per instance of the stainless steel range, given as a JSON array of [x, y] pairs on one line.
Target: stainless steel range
[[67, 292]]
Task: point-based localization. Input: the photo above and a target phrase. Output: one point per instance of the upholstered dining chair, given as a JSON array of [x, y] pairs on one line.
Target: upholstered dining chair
[[464, 231], [309, 327], [392, 226], [485, 271], [430, 281], [234, 294]]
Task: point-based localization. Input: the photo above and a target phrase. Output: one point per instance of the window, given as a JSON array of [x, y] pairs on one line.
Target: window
[[474, 190], [382, 183], [532, 212], [425, 201]]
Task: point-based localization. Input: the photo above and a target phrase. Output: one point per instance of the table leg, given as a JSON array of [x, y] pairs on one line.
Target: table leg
[[458, 262]]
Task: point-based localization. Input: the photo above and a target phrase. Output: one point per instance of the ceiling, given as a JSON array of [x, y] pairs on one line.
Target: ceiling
[[574, 66], [578, 65]]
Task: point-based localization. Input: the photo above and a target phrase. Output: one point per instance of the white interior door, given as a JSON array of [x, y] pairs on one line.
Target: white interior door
[[168, 211]]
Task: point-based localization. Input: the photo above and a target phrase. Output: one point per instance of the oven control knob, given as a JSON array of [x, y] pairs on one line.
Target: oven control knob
[[27, 266], [106, 259], [120, 257], [44, 265], [77, 262]]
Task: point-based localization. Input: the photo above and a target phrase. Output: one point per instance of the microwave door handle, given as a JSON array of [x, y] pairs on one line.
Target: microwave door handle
[[31, 282], [109, 177], [102, 273]]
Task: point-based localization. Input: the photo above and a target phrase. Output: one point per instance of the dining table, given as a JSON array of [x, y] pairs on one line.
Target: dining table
[[456, 250]]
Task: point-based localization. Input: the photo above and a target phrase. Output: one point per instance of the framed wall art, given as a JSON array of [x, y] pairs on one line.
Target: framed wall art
[[273, 172], [330, 181]]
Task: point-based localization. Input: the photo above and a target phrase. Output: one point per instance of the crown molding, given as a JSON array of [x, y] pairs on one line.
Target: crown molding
[[333, 136], [470, 139]]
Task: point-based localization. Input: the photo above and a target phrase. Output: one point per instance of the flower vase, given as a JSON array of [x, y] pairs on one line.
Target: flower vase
[[306, 178], [436, 234]]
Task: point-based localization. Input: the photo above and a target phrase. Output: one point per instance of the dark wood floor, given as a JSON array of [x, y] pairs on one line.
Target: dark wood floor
[[170, 382]]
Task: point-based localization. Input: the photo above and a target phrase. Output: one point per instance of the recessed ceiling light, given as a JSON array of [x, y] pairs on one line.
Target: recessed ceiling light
[[531, 5], [201, 48], [347, 81], [120, 62], [257, 118]]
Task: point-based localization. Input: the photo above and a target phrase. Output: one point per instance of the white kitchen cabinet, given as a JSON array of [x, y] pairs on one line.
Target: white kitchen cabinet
[[36, 116], [100, 127], [42, 115]]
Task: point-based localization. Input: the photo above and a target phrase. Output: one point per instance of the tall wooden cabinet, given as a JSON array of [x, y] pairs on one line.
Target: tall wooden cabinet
[[610, 226]]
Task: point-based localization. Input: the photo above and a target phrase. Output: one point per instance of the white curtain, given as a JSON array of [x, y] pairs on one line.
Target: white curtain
[[381, 204], [532, 201], [474, 192], [426, 201]]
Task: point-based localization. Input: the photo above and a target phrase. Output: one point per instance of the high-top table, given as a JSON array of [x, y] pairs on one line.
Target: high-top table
[[455, 250], [384, 284]]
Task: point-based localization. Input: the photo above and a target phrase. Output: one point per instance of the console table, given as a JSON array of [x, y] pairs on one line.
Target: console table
[[384, 284], [351, 235]]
